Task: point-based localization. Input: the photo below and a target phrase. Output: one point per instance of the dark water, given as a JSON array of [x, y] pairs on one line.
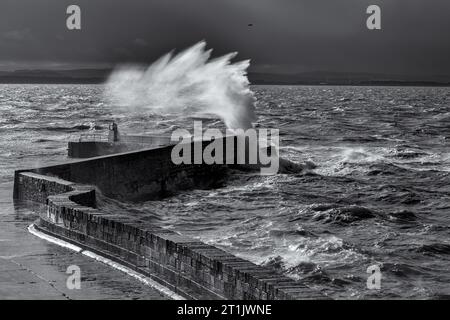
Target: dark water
[[380, 193]]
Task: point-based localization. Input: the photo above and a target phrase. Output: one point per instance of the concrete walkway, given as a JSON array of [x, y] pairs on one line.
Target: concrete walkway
[[31, 268]]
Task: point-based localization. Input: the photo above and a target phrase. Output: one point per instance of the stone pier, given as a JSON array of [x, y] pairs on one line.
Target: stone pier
[[187, 266]]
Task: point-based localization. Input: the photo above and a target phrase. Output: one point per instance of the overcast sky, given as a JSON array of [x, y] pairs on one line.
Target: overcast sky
[[285, 36]]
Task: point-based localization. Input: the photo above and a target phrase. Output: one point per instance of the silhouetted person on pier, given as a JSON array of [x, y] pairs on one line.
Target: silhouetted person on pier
[[114, 131]]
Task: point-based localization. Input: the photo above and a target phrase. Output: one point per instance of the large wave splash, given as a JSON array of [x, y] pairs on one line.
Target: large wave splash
[[188, 83]]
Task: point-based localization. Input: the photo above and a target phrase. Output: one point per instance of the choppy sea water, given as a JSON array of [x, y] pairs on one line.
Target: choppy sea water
[[380, 193]]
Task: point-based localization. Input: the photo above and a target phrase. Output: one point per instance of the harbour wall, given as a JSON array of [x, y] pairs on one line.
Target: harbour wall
[[92, 146], [189, 267], [139, 175]]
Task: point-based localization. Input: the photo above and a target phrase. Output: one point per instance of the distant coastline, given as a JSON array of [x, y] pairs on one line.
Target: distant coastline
[[98, 76]]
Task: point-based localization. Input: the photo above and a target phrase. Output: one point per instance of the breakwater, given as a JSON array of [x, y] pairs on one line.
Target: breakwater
[[193, 269], [92, 145]]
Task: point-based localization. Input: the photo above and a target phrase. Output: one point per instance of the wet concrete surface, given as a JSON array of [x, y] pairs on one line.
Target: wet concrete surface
[[32, 268]]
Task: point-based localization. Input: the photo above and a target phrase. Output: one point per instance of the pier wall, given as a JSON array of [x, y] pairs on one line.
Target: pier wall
[[138, 175], [189, 267], [88, 149]]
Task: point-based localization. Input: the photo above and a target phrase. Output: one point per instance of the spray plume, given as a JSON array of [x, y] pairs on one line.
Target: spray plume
[[188, 83]]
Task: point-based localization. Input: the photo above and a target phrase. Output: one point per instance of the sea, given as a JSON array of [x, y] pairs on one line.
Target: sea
[[377, 194]]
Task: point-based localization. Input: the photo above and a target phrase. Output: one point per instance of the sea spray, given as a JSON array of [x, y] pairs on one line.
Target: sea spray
[[189, 83]]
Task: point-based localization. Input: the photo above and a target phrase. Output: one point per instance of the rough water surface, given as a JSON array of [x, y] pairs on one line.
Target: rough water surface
[[380, 193]]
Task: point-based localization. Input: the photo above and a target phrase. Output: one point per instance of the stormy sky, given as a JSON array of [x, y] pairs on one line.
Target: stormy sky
[[277, 35]]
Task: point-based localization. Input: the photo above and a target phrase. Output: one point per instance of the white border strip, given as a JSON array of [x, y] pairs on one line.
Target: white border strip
[[146, 280], [59, 242]]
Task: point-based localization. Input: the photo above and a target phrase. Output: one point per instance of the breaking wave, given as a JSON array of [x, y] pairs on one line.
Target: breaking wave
[[188, 83]]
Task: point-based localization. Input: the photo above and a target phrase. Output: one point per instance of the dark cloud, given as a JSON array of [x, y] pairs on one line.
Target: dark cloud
[[16, 35], [277, 35]]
